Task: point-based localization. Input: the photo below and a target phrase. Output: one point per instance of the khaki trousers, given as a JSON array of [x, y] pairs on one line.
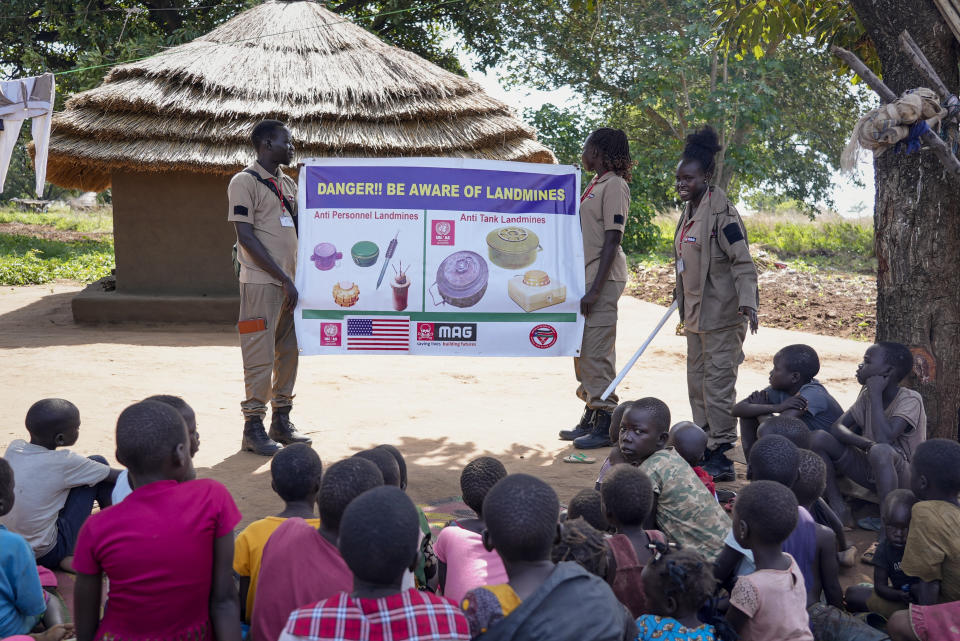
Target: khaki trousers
[[712, 362], [269, 356], [597, 364]]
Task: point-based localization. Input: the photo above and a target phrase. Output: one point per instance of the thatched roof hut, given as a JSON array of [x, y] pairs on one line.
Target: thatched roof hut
[[167, 133], [342, 91]]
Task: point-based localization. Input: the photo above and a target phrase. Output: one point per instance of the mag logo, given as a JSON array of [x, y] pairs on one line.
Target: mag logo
[[330, 334], [461, 332], [443, 232]]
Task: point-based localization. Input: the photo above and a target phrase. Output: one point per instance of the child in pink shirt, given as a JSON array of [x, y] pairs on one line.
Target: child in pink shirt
[[167, 549], [464, 563]]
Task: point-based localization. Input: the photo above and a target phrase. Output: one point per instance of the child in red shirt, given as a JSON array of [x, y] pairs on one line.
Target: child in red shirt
[[690, 442]]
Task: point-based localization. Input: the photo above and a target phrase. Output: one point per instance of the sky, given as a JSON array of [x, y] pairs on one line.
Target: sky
[[851, 200]]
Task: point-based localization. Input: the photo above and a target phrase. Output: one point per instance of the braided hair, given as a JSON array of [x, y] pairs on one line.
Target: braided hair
[[702, 147], [584, 544], [614, 148], [683, 575]]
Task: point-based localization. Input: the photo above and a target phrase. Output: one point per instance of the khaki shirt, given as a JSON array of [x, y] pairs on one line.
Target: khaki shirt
[[255, 203], [605, 208], [718, 276]]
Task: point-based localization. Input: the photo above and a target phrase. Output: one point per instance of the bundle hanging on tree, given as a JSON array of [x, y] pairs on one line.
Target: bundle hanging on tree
[[884, 127]]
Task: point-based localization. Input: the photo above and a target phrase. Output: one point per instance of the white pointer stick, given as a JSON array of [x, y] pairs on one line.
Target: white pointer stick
[[636, 356]]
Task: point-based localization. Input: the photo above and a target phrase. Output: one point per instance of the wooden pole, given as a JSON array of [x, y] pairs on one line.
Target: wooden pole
[[913, 51], [934, 141]]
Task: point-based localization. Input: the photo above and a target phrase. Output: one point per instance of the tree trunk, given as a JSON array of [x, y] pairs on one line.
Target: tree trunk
[[917, 220]]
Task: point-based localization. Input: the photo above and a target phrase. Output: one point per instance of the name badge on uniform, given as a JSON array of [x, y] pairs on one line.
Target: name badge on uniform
[[286, 221], [680, 266], [690, 239]]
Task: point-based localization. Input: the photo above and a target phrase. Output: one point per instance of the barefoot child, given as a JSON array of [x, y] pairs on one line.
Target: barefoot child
[[302, 564], [542, 600], [378, 540], [678, 584], [683, 509], [56, 488], [628, 499], [464, 562], [166, 550], [770, 603], [691, 442], [874, 440], [793, 391], [295, 471]]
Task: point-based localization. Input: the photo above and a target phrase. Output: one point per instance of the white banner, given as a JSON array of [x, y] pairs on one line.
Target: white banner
[[439, 256]]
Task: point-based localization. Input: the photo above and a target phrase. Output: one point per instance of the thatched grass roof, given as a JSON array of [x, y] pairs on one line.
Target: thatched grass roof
[[341, 90]]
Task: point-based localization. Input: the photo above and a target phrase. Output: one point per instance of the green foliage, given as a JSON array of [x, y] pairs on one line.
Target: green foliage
[[25, 260], [562, 130], [62, 218]]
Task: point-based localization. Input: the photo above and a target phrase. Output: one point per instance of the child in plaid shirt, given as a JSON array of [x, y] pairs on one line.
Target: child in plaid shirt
[[378, 540]]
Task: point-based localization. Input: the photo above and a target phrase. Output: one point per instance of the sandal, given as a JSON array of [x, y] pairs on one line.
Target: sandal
[[867, 556], [579, 457]]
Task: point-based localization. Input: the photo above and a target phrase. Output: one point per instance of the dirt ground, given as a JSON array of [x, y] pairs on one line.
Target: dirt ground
[[50, 233], [441, 412]]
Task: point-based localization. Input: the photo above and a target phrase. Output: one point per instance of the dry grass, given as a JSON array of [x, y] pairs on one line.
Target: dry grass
[[342, 91]]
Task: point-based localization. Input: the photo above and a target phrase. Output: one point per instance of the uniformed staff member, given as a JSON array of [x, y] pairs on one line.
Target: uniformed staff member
[[603, 215], [717, 296], [263, 210]]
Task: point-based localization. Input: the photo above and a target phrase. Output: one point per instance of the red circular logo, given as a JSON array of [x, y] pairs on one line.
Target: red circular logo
[[543, 336]]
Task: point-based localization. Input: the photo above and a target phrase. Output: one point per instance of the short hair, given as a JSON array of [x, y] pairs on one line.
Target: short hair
[[895, 499], [657, 409], [521, 513], [627, 495], [899, 357], [811, 477], [147, 434], [689, 440], [379, 533], [769, 509], [790, 427], [401, 462], [6, 482], [683, 575], [938, 459], [614, 146], [702, 146], [264, 130], [296, 471], [344, 481], [587, 504], [178, 404], [583, 544], [46, 417], [774, 458], [384, 460], [801, 359], [615, 418], [476, 479]]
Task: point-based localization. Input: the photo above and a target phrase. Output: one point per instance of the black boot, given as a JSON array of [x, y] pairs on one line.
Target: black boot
[[582, 428], [599, 436], [718, 465], [255, 438], [282, 430]]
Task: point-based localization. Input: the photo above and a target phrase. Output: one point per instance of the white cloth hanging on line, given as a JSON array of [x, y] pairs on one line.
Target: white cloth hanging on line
[[21, 99]]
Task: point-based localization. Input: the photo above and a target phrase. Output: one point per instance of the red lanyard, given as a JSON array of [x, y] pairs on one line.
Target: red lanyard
[[279, 189], [683, 234], [589, 188]]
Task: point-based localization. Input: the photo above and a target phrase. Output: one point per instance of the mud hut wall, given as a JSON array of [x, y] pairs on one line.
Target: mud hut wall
[[171, 234]]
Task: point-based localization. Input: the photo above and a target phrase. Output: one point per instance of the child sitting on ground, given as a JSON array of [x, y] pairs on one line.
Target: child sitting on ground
[[379, 532], [690, 442], [583, 544], [464, 562], [122, 488], [23, 601], [793, 391], [166, 549], [874, 440], [56, 488], [678, 584], [628, 499], [891, 585], [932, 553], [683, 509], [295, 471], [302, 564], [789, 427], [587, 504], [542, 600], [770, 603]]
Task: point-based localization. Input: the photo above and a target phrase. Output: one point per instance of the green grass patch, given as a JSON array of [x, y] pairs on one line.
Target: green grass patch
[[63, 218], [25, 260]]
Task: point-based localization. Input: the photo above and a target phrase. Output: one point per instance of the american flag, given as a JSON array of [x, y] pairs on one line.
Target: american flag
[[378, 334]]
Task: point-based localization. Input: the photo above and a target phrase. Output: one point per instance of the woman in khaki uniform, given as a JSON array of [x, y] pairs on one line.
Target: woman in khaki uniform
[[603, 214], [716, 294]]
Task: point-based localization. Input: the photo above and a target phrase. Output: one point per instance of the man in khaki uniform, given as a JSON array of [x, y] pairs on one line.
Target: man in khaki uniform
[[263, 211], [603, 216]]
